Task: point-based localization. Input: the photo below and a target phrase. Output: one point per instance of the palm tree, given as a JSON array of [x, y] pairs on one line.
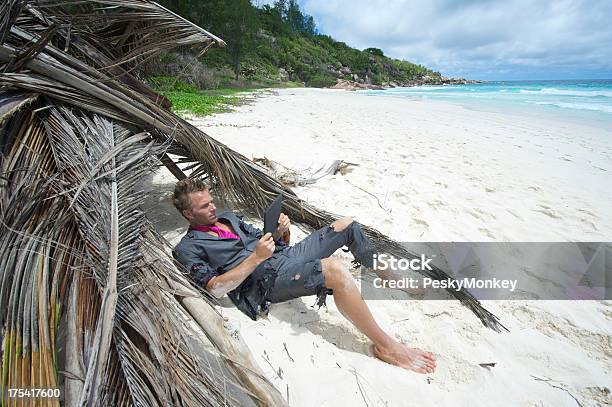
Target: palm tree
[[90, 300]]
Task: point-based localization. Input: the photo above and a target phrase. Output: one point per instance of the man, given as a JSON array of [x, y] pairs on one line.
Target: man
[[225, 255]]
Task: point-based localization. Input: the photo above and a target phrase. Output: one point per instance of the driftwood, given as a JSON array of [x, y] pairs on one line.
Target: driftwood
[[73, 382], [292, 178], [231, 347]]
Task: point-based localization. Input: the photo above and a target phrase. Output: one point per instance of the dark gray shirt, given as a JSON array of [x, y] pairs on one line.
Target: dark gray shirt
[[206, 256]]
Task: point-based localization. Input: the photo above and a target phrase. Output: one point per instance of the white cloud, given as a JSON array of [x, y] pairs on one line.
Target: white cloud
[[478, 37]]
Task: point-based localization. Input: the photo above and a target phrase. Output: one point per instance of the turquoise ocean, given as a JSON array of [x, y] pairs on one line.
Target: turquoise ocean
[[586, 101]]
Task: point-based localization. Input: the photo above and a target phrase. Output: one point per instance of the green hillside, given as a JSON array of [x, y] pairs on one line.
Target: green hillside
[[276, 45]]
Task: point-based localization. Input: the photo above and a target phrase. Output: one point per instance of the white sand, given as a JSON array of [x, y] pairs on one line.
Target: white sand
[[442, 173]]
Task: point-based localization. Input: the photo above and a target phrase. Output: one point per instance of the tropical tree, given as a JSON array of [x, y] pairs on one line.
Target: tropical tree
[[238, 23]]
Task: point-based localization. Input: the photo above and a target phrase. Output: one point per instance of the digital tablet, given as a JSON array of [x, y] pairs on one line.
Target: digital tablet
[[272, 214]]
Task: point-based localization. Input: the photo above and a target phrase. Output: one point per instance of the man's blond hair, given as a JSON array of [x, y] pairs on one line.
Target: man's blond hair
[[182, 189]]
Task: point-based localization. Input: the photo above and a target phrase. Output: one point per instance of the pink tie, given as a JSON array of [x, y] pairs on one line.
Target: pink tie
[[222, 233]]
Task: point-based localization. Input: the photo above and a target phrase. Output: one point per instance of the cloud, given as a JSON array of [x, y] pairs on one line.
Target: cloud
[[477, 38]]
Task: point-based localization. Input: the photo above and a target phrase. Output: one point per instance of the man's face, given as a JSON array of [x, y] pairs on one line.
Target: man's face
[[203, 210]]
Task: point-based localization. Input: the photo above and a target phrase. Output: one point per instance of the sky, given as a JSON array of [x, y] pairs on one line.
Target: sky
[[478, 39]]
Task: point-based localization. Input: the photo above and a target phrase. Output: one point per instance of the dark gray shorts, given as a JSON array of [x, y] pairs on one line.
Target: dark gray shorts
[[298, 278], [298, 267]]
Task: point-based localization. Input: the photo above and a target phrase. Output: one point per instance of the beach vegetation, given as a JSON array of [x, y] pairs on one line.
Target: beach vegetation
[[187, 98], [321, 81]]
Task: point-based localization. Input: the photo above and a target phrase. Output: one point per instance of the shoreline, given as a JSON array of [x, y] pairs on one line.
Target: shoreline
[[517, 109]]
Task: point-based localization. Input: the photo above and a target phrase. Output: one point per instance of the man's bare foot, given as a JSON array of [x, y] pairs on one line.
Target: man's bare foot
[[409, 358]]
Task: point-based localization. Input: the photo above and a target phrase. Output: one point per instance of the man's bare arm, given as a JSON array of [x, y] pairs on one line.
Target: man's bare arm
[[218, 286]]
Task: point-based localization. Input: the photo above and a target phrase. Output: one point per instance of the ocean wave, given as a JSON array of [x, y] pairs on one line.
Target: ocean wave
[[577, 106], [568, 92], [416, 89]]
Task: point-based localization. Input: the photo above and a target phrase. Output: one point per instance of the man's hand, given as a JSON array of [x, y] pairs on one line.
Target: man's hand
[[226, 282], [283, 224], [265, 247]]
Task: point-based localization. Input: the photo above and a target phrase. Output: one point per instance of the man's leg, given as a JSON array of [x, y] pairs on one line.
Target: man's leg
[[344, 231], [350, 303], [385, 273], [325, 241]]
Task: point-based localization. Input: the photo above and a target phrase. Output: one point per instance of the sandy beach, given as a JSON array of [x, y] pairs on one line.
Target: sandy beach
[[429, 171]]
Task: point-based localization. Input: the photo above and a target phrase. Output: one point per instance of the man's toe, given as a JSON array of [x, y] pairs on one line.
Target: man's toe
[[429, 356], [423, 370]]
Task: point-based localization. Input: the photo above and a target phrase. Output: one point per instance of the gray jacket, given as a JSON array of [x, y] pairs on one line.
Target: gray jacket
[[206, 256]]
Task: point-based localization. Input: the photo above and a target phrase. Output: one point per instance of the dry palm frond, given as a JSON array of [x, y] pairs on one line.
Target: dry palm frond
[[89, 297], [76, 250], [68, 190]]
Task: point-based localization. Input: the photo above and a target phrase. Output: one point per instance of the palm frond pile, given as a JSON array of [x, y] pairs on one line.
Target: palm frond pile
[[90, 300]]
